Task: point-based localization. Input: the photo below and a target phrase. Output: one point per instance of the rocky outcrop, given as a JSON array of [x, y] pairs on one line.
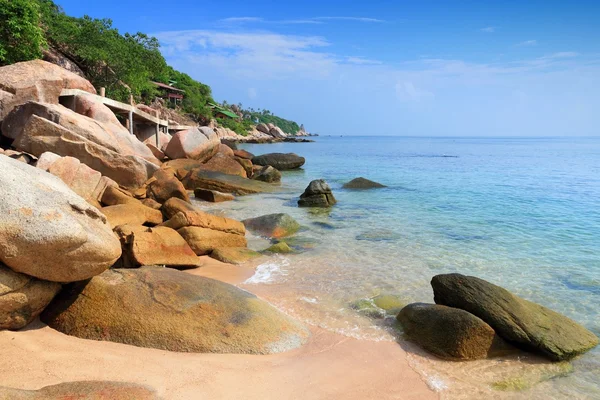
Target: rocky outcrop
[[272, 225], [449, 332], [234, 255], [277, 133], [225, 183], [520, 322], [279, 161], [83, 390], [362, 183], [203, 241], [196, 143], [212, 196], [172, 310], [317, 194], [155, 246], [22, 298], [49, 232], [267, 174], [38, 128], [131, 214], [262, 127], [36, 81], [164, 185]]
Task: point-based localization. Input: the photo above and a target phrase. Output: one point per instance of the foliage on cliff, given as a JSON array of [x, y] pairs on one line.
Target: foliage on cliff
[[21, 37]]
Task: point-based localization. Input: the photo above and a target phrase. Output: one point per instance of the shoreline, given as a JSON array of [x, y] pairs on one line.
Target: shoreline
[[328, 366]]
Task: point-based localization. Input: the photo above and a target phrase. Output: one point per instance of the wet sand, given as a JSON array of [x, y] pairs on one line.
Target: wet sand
[[329, 366]]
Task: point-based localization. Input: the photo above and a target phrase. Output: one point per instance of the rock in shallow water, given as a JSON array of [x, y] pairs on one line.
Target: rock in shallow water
[[83, 390], [172, 310], [279, 161], [317, 194], [521, 322], [449, 332], [49, 232], [272, 225], [362, 183]]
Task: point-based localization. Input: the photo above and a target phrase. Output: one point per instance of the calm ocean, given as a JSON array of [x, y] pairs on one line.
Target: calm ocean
[[523, 213]]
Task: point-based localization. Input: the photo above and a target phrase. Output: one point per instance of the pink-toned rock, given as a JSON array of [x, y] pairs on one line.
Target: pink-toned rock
[[243, 154], [156, 152], [36, 80], [79, 177], [165, 185], [224, 164], [225, 150], [196, 143]]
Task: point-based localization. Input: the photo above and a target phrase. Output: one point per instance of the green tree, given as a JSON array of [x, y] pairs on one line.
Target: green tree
[[21, 37]]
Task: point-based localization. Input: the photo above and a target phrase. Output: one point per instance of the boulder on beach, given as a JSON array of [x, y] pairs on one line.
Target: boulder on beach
[[83, 390], [171, 310], [155, 246], [39, 127], [448, 332], [317, 194], [234, 255], [49, 232], [22, 298], [203, 241], [224, 164], [196, 143], [279, 161], [243, 154], [165, 185], [212, 196], [225, 183], [36, 80], [362, 183], [525, 324], [113, 196], [267, 174], [131, 214], [272, 225], [182, 214]]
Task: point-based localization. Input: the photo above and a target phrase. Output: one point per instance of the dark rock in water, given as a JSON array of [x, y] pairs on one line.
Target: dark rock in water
[[300, 244], [381, 235], [218, 181], [230, 144], [272, 225], [521, 322], [267, 174], [449, 332], [362, 183], [279, 248], [317, 194], [171, 310], [279, 161], [324, 225], [367, 308], [83, 390]]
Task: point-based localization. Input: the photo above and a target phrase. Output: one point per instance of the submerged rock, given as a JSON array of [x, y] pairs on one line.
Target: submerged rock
[[83, 390], [272, 225], [49, 232], [22, 298], [392, 304], [362, 183], [368, 308], [267, 174], [279, 248], [172, 310], [279, 161], [448, 332], [521, 322], [317, 194]]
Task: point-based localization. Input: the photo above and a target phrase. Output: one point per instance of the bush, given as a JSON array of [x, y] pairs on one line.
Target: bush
[[240, 127], [21, 36]]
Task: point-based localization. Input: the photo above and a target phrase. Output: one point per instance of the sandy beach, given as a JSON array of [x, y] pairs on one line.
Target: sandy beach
[[329, 366]]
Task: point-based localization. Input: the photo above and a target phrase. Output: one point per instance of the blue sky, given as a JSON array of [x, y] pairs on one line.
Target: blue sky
[[431, 68]]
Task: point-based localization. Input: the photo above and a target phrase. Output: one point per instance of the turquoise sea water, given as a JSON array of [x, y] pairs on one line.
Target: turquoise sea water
[[521, 213]]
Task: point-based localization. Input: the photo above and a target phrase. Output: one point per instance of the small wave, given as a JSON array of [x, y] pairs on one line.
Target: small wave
[[268, 272]]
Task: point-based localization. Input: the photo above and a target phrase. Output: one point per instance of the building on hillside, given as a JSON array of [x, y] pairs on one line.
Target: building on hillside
[[170, 93], [222, 112]]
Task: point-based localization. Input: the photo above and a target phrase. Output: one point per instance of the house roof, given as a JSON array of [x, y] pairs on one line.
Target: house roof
[[168, 87], [223, 110]]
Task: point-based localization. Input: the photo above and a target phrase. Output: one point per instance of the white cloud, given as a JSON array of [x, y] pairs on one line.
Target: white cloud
[[357, 19], [313, 20], [362, 61], [562, 54], [528, 43], [488, 29]]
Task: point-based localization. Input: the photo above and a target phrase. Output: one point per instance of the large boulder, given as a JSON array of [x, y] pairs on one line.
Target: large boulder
[[277, 133], [262, 127], [36, 80], [362, 183], [22, 298], [47, 231], [113, 196], [279, 161], [317, 194], [203, 241], [171, 310], [132, 214], [165, 185], [155, 246], [225, 183], [267, 174], [272, 225], [224, 164], [38, 128], [521, 322], [196, 143], [83, 390], [449, 332]]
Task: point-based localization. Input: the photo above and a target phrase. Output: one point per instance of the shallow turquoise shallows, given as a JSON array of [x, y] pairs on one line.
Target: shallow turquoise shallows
[[521, 213]]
